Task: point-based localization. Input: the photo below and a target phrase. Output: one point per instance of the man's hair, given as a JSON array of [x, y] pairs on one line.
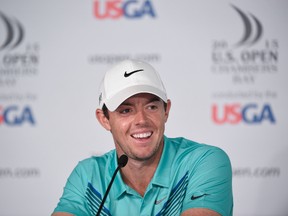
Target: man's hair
[[106, 113]]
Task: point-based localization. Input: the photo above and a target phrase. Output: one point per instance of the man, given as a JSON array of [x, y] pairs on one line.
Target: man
[[163, 176]]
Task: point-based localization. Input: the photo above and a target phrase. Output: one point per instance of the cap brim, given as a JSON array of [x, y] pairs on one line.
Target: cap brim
[[115, 101]]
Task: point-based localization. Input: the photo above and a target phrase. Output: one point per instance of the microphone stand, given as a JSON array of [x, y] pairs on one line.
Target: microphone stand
[[122, 161]]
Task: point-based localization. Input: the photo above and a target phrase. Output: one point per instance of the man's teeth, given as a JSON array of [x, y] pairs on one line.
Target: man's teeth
[[142, 135]]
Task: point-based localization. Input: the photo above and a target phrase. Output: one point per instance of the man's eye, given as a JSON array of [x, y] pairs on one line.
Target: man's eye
[[153, 107], [125, 111]]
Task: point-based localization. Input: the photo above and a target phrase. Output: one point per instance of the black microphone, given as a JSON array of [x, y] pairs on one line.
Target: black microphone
[[122, 161]]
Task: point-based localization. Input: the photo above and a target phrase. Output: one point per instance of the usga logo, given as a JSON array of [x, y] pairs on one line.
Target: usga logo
[[115, 9], [14, 115], [249, 113]]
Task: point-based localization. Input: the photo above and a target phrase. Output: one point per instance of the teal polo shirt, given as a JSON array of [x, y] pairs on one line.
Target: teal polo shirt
[[189, 175]]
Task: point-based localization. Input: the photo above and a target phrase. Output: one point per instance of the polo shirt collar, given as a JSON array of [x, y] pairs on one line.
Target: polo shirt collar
[[161, 177]]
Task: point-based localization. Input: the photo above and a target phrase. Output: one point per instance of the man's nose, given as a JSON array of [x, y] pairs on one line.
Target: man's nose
[[140, 117]]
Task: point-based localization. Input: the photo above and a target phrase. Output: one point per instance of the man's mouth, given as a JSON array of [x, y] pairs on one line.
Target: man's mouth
[[142, 135]]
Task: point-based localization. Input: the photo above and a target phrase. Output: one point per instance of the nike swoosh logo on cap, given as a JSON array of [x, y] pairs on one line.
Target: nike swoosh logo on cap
[[132, 72]]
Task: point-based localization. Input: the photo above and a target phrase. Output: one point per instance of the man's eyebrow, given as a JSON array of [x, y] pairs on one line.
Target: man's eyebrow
[[125, 104], [154, 99]]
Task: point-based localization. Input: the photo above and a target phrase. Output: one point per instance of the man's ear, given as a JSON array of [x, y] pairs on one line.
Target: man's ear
[[167, 110], [102, 119]]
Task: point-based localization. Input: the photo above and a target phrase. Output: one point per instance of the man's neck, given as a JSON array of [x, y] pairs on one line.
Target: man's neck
[[138, 174]]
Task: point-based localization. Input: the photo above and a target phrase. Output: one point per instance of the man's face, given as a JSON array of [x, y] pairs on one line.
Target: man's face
[[137, 126]]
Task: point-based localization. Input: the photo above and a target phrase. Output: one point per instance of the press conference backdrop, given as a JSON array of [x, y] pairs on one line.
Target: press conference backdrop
[[224, 64]]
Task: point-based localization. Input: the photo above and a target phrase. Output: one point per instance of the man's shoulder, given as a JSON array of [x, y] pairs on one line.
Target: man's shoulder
[[196, 150], [180, 141], [184, 143], [97, 160]]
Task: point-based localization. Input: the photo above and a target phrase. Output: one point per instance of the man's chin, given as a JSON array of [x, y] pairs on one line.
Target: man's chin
[[143, 157]]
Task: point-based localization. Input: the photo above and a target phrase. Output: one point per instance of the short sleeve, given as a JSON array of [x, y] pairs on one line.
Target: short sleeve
[[73, 198], [210, 182]]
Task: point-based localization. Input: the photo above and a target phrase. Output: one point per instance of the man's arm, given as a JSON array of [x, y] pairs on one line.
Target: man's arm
[[209, 192], [198, 212]]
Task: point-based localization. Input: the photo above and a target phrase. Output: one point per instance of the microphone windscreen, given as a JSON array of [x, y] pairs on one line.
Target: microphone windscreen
[[122, 161]]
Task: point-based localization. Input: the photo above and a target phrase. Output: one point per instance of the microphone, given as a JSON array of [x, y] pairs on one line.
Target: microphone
[[122, 161]]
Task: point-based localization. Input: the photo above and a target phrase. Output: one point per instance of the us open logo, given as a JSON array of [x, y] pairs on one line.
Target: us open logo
[[239, 57], [14, 32], [17, 60], [246, 61]]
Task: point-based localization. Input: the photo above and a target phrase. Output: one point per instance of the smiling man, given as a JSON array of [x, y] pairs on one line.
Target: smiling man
[[163, 176]]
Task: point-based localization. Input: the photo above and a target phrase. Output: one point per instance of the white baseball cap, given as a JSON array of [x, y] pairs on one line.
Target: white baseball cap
[[126, 79]]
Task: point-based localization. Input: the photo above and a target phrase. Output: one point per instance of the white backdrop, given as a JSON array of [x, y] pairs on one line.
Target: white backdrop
[[224, 64]]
